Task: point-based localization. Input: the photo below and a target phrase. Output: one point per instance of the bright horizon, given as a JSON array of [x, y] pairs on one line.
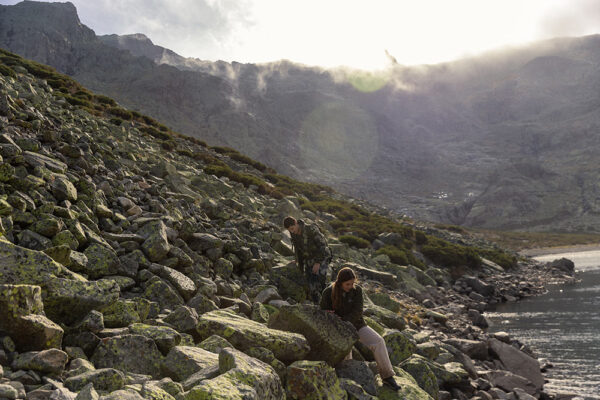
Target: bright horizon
[[340, 32]]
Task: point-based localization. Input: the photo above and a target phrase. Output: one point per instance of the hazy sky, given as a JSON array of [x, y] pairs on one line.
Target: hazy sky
[[339, 32]]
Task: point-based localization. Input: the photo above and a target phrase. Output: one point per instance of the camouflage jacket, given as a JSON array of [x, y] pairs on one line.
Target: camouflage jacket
[[310, 246]]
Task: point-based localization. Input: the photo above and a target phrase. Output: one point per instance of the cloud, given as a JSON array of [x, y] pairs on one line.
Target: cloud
[[574, 18], [189, 27]]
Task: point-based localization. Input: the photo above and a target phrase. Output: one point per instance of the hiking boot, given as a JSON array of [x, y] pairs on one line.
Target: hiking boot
[[391, 383]]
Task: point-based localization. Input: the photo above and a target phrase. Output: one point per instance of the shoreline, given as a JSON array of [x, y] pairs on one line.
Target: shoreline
[[544, 251]]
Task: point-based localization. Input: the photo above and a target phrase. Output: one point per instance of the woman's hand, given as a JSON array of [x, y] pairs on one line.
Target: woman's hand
[[316, 268]]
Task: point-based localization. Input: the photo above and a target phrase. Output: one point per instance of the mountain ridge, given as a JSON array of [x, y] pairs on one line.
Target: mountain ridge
[[473, 142]]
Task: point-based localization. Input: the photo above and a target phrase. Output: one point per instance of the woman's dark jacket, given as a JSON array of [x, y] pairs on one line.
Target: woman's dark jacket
[[352, 305]]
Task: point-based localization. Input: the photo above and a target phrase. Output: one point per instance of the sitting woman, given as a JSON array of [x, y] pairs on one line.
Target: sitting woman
[[346, 299]]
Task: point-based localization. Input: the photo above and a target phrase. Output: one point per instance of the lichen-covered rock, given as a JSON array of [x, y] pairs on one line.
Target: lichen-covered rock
[[102, 261], [151, 391], [354, 390], [156, 245], [184, 361], [129, 353], [63, 189], [330, 339], [384, 316], [67, 300], [120, 314], [518, 362], [50, 361], [21, 317], [165, 338], [184, 285], [123, 394], [242, 377], [47, 225], [259, 313], [359, 372], [290, 280], [400, 346], [19, 265], [214, 344], [418, 367], [163, 293], [202, 304], [88, 393], [244, 333], [60, 254], [105, 379], [265, 355], [8, 392], [409, 389], [313, 380]]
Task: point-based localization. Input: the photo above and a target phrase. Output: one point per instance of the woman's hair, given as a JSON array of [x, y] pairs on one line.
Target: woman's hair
[[289, 221], [344, 274]]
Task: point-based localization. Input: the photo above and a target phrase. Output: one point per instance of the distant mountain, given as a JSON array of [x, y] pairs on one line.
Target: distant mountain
[[505, 140]]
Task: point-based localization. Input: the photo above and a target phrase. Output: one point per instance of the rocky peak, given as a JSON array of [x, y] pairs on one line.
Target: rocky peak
[[140, 45]]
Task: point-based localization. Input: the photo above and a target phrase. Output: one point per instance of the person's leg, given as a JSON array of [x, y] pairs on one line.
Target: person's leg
[[376, 344]]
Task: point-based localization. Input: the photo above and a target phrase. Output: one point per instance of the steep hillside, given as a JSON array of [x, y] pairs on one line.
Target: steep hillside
[[505, 140], [136, 263]]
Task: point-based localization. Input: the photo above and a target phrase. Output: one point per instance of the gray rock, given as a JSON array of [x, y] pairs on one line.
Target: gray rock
[[130, 353], [518, 362], [106, 379], [184, 285], [156, 245], [50, 361], [183, 362], [359, 372], [88, 393]]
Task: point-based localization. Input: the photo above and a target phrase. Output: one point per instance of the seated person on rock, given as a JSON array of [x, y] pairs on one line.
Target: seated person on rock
[[345, 299], [312, 254]]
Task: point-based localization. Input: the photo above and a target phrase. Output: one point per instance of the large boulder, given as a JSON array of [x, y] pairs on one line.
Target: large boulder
[[418, 368], [359, 372], [244, 333], [67, 300], [156, 245], [242, 377], [400, 346], [312, 380], [63, 189], [129, 353], [518, 362], [184, 361], [409, 389], [19, 265], [102, 261], [163, 293], [508, 381], [184, 285], [22, 318], [107, 379], [290, 281], [165, 338], [51, 361], [473, 348], [330, 339]]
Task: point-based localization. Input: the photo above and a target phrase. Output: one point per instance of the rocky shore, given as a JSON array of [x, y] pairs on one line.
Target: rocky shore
[[128, 272]]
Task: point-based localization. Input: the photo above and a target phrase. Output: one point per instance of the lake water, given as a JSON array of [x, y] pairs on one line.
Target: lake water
[[562, 326]]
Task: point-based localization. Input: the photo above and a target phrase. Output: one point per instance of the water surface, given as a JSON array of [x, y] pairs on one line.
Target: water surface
[[562, 326]]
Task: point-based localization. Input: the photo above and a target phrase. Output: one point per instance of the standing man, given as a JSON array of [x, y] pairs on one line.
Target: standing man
[[312, 254]]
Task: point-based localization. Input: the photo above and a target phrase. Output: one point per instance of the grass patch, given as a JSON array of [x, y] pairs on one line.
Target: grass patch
[[355, 241]]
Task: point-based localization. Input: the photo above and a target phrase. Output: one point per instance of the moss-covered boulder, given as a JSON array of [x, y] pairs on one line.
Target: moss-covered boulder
[[214, 344], [409, 389], [428, 350], [290, 281], [418, 367], [19, 265], [259, 313], [184, 361], [105, 379], [67, 300], [163, 293], [102, 261], [156, 245], [47, 225], [120, 314], [242, 377], [124, 394], [51, 361], [330, 339], [129, 353], [63, 189], [244, 333], [354, 390], [152, 391], [313, 380], [386, 317], [400, 346], [184, 285], [35, 332], [359, 372], [165, 338], [265, 355]]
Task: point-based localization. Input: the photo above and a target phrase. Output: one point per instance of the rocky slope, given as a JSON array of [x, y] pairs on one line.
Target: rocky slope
[[129, 271], [505, 140]]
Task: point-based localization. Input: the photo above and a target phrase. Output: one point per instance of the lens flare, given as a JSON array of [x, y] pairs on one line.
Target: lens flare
[[338, 139], [367, 82]]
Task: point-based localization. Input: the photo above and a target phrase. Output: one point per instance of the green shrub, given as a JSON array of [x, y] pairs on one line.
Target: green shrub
[[396, 255], [450, 255], [354, 241], [121, 113], [155, 133], [116, 121], [503, 259], [420, 238], [105, 100], [7, 71]]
